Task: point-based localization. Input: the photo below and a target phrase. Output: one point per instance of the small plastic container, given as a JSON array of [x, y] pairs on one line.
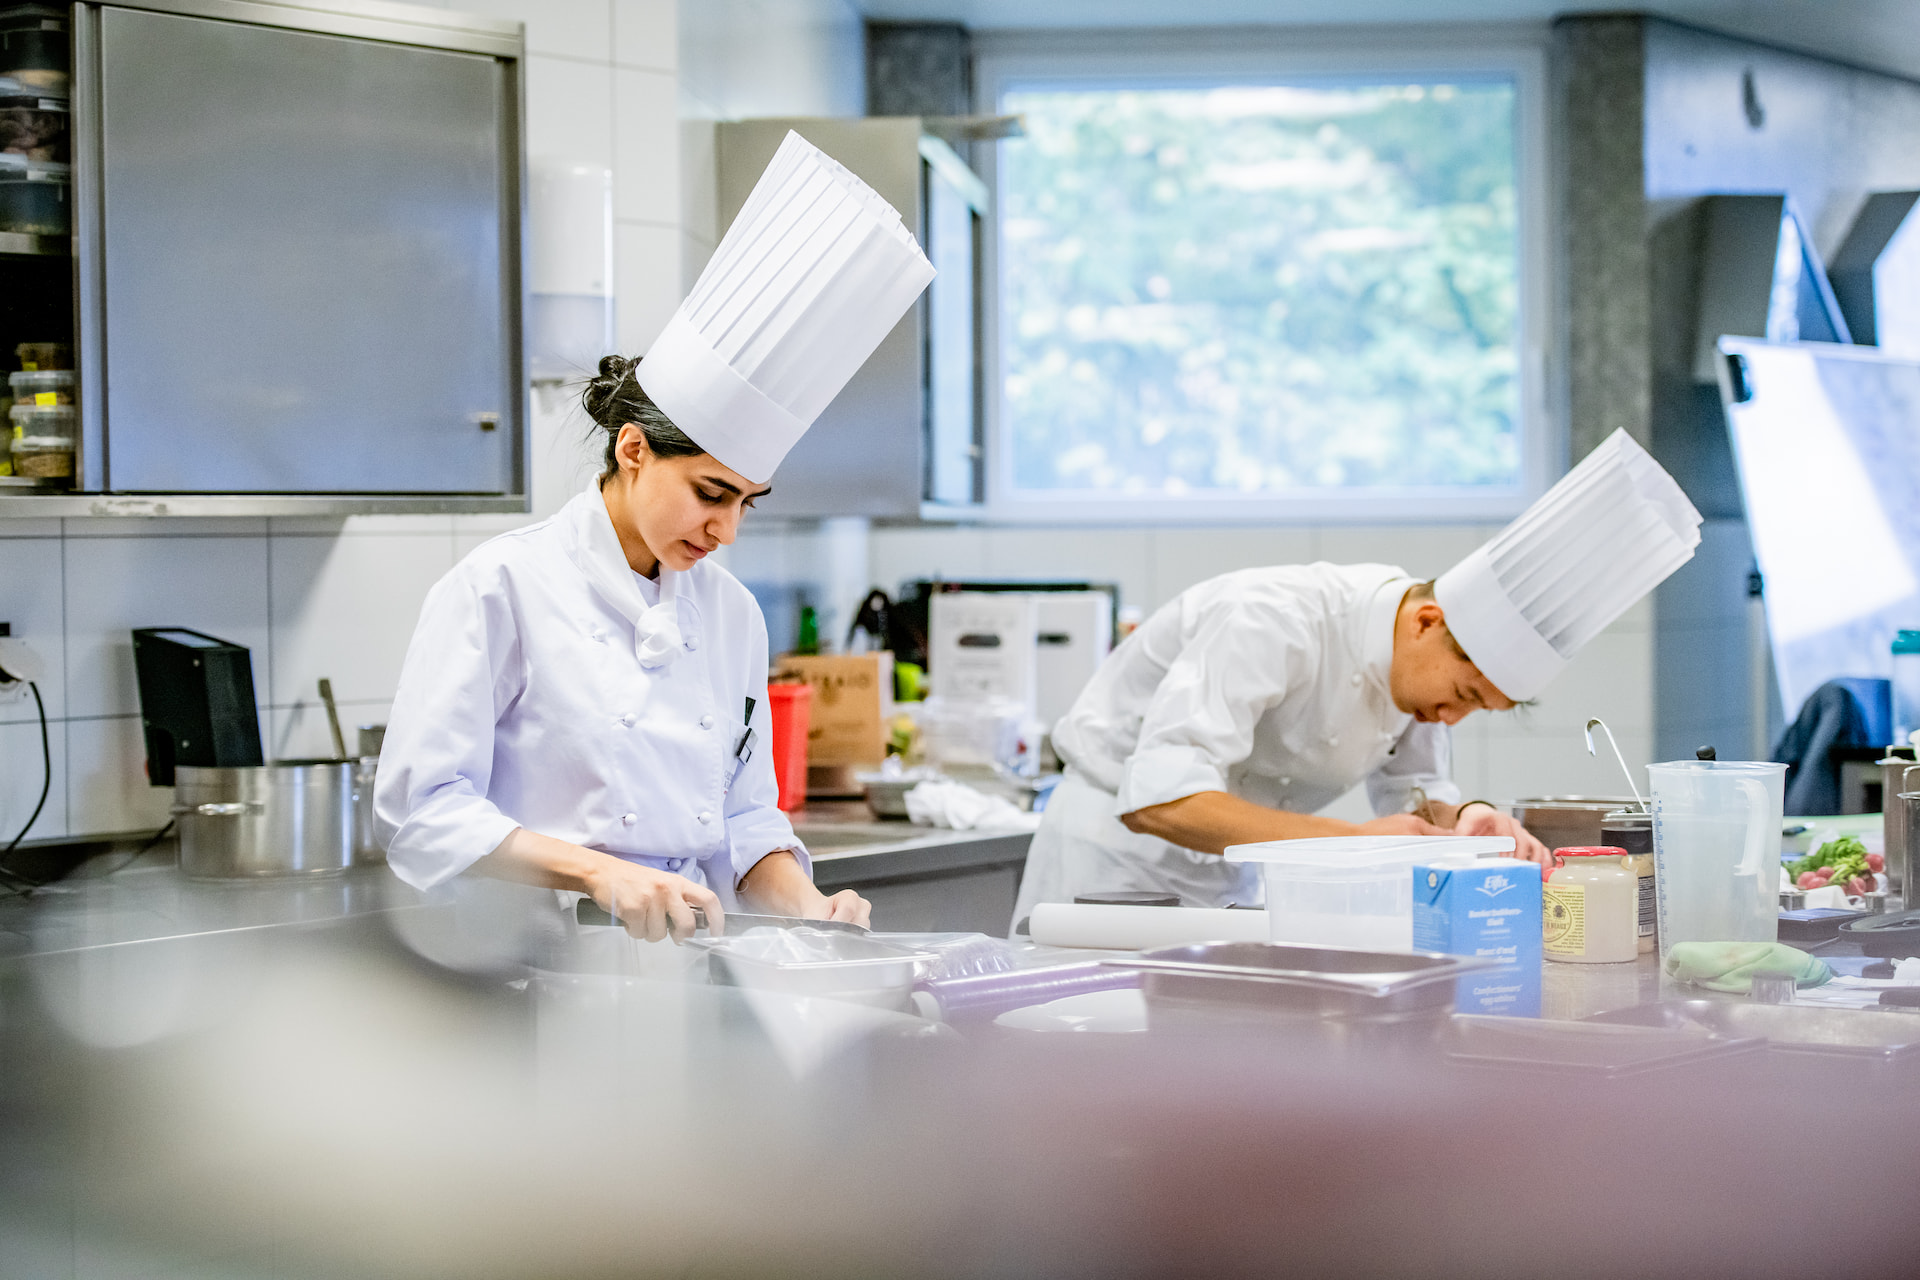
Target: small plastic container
[[32, 124], [34, 48], [1352, 891], [1591, 907], [42, 420], [42, 387], [790, 710], [43, 457], [35, 197], [34, 356]]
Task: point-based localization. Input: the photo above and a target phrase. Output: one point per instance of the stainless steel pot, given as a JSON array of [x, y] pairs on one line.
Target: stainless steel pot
[[1561, 822], [290, 818]]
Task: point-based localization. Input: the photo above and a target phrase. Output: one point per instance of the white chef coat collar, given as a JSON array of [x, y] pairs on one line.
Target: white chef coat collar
[[1378, 614], [596, 550]]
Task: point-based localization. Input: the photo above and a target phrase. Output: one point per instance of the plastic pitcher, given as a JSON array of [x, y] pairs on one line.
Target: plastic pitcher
[[1716, 849]]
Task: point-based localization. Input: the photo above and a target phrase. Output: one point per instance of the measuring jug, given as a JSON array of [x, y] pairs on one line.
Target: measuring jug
[[1716, 849]]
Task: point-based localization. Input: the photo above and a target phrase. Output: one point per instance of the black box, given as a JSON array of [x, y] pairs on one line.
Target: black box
[[196, 701]]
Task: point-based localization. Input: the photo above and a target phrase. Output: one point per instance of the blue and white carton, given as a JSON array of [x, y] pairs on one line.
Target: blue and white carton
[[1488, 908]]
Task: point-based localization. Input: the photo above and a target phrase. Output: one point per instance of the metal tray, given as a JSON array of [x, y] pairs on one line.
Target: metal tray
[[1586, 1048], [1870, 1034]]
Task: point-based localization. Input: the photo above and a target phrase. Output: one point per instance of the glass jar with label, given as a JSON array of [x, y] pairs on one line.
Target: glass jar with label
[[1632, 831], [1590, 907]]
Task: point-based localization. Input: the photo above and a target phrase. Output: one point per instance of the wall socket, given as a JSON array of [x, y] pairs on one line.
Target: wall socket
[[11, 690]]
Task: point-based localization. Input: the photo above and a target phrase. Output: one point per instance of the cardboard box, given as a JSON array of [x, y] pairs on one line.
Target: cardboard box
[[1488, 908], [852, 700]]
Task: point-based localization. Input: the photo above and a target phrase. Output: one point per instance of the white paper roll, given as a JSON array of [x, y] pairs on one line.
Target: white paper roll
[[1073, 924]]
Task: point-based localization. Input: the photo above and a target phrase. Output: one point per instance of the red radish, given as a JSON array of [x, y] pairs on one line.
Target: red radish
[[1876, 862], [1807, 880], [1857, 886]]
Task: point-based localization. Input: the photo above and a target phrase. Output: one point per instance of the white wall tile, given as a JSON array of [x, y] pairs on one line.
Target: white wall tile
[[359, 526], [646, 33], [215, 585], [565, 449], [1182, 557], [300, 732], [163, 526], [1425, 551], [107, 788], [646, 146], [896, 555], [570, 28], [21, 774], [569, 111], [1545, 763], [1611, 678], [31, 528], [345, 608], [695, 253], [1123, 556], [646, 265], [33, 602]]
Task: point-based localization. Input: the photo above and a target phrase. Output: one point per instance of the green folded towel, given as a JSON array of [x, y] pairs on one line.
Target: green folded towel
[[1730, 966]]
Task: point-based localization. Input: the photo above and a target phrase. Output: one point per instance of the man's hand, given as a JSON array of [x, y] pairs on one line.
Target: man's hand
[[1485, 820], [1402, 824]]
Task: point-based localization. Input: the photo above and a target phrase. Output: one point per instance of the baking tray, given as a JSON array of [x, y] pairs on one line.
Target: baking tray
[[1874, 1035], [1589, 1049]]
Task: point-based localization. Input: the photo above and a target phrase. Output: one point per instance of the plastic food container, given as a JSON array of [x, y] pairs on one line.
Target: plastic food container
[[44, 355], [1352, 891], [33, 47], [42, 420], [810, 962], [35, 197], [42, 387], [43, 457], [32, 124]]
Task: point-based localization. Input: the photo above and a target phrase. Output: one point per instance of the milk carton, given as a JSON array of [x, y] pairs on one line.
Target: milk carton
[[1488, 908]]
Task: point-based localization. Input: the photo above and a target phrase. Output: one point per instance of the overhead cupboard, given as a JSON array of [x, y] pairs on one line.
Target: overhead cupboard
[[275, 251]]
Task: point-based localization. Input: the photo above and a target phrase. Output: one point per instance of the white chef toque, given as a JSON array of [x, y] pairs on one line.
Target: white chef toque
[[1586, 552], [813, 273]]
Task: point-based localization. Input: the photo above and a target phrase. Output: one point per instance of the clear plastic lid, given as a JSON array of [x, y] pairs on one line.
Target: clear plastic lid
[[15, 167], [27, 382], [43, 444]]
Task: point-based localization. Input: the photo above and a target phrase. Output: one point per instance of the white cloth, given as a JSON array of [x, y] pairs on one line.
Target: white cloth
[[942, 802], [1609, 532], [814, 272], [1268, 684], [537, 693]]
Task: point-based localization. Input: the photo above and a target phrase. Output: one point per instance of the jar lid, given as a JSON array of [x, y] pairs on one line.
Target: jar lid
[[1591, 851]]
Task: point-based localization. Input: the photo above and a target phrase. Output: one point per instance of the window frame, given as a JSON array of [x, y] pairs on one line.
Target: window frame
[[1198, 58]]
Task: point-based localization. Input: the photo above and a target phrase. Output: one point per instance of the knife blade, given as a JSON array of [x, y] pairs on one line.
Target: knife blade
[[589, 912]]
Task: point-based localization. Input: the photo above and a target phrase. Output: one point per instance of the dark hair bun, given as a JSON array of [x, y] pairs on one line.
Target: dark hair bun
[[601, 396]]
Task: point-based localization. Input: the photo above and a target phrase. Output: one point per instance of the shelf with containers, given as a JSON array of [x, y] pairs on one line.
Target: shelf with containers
[[36, 249]]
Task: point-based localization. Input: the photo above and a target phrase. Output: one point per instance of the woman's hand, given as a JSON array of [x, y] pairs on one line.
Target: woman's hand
[[778, 886], [1400, 824], [653, 904]]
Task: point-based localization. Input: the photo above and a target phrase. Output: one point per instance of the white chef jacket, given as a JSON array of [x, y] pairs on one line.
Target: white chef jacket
[[550, 687], [1268, 684]]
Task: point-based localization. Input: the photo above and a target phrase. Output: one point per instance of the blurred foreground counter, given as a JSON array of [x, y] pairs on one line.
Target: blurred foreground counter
[[354, 1079]]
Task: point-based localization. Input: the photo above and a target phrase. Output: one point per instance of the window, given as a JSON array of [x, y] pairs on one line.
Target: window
[[1263, 295]]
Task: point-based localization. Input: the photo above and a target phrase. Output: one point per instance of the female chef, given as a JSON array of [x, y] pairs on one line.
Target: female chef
[[1255, 698], [583, 705]]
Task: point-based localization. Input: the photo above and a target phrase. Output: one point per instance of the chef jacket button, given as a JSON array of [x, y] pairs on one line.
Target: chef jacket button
[[627, 720], [1356, 677], [1286, 782], [693, 642], [628, 819], [1333, 742], [674, 864], [706, 721], [703, 817]]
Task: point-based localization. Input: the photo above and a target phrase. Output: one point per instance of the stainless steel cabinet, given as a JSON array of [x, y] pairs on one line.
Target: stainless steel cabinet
[[906, 431], [305, 283], [297, 260]]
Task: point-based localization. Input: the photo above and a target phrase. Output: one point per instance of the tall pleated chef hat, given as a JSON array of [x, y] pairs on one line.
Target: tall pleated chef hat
[[1586, 552], [813, 273]]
